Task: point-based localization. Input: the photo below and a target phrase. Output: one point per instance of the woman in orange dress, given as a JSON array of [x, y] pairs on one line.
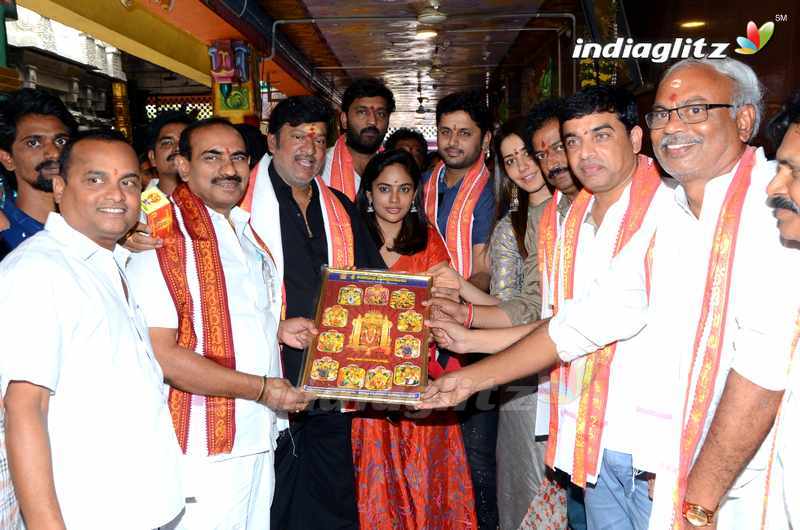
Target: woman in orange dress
[[411, 468]]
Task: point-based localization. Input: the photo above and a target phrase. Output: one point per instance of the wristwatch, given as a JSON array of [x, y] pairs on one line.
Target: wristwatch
[[696, 515]]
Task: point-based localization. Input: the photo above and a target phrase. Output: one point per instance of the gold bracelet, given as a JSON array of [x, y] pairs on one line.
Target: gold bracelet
[[263, 386]]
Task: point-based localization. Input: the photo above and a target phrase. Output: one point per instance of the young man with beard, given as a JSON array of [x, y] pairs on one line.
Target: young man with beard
[[34, 127], [213, 274], [782, 510], [90, 441], [319, 226], [366, 107], [457, 197], [715, 324]]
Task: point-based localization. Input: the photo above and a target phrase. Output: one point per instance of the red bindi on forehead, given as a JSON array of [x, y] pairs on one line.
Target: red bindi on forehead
[[673, 97]]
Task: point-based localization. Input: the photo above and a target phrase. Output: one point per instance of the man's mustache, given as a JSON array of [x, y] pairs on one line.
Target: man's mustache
[[172, 156], [236, 178], [370, 129], [47, 164], [553, 173], [677, 139], [783, 202]]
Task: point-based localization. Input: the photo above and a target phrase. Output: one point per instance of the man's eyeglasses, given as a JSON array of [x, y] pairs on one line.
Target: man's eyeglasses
[[693, 113]]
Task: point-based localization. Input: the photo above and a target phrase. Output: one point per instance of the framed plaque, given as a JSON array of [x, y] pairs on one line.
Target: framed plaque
[[372, 345]]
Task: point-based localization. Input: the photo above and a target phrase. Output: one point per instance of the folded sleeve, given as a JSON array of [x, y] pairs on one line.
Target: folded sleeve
[[31, 322], [761, 355], [614, 308], [764, 298], [763, 331], [150, 291]]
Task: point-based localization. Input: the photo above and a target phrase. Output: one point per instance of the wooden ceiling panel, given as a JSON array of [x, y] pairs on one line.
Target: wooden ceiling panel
[[305, 37]]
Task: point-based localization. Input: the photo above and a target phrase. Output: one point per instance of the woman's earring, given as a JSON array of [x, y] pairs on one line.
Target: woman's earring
[[514, 199], [370, 209], [413, 207]]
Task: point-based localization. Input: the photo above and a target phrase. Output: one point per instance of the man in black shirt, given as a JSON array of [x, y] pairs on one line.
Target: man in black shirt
[[315, 485]]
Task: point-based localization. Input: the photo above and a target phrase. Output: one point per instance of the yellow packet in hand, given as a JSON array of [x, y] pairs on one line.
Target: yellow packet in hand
[[157, 210]]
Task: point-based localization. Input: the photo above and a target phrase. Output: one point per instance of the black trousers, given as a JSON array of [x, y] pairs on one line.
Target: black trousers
[[314, 479], [479, 427]]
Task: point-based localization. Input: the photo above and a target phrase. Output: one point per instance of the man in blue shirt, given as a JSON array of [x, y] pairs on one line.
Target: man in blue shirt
[[463, 134], [34, 127]]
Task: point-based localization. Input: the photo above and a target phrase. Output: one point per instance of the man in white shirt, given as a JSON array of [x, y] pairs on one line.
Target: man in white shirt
[[782, 509], [88, 431], [211, 297], [704, 113], [602, 141], [367, 105]]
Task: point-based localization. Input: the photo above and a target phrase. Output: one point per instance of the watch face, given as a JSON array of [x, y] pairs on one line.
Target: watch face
[[696, 517]]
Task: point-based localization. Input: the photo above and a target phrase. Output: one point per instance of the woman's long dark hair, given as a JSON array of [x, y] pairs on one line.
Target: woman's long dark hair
[[413, 235], [519, 218]]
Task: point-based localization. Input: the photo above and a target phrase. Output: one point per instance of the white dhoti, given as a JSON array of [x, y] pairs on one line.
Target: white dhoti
[[233, 494]]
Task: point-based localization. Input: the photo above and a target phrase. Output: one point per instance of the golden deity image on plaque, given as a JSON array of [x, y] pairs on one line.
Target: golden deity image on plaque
[[406, 347], [351, 376], [370, 330], [402, 299], [349, 295], [407, 374], [335, 316], [379, 378], [331, 341], [409, 321], [376, 295], [325, 369]]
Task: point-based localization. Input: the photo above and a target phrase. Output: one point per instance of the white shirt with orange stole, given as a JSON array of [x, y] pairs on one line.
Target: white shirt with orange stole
[[593, 253], [253, 302], [757, 323]]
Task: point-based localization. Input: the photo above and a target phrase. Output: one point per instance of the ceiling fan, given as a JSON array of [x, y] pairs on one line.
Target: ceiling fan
[[421, 109]]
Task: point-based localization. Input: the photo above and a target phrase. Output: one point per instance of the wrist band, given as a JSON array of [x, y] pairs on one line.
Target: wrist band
[[263, 386], [468, 320]]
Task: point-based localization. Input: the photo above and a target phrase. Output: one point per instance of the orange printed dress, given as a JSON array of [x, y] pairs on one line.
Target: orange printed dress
[[411, 469]]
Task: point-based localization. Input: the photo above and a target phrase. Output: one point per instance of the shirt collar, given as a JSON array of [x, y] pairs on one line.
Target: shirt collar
[[238, 217], [443, 181], [79, 244], [621, 204]]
